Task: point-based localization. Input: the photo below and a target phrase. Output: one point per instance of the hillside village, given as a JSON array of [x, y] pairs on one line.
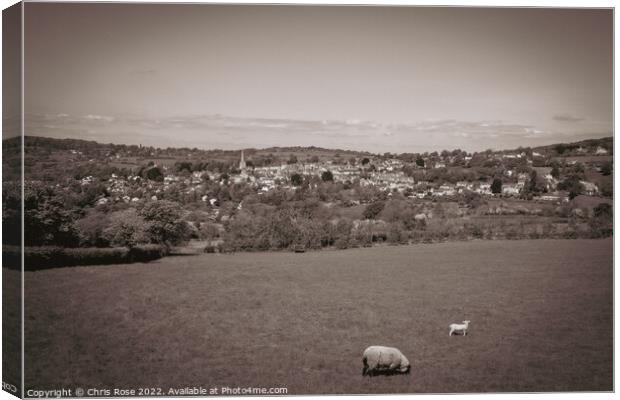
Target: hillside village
[[213, 189], [386, 174]]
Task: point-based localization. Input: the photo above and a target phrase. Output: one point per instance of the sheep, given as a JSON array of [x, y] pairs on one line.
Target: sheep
[[384, 360], [459, 328], [420, 217]]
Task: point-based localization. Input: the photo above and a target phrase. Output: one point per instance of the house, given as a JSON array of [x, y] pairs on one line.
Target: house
[[522, 178], [558, 196], [445, 190], [549, 197], [510, 189], [589, 188], [464, 185], [600, 151], [550, 182], [484, 188]]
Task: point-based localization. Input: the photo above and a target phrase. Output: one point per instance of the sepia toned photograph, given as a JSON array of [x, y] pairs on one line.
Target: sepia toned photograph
[[283, 200]]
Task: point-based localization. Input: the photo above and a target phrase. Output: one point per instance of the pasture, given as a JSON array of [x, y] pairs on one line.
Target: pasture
[[540, 311]]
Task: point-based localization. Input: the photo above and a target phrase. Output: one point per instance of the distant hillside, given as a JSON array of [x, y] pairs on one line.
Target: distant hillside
[[588, 146]]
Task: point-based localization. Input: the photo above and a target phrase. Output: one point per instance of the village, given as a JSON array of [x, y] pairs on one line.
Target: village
[[282, 198], [385, 174]]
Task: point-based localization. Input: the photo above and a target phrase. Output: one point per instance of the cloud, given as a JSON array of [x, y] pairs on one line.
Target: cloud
[[143, 71], [220, 131], [471, 129], [96, 117], [567, 118]]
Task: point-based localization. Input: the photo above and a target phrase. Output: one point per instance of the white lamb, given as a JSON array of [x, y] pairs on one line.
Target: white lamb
[[459, 328], [384, 360]]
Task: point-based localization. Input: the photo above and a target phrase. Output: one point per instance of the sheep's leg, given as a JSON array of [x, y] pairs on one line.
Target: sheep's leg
[[451, 331]]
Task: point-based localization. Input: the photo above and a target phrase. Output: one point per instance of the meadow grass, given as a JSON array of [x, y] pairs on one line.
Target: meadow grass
[[541, 315]]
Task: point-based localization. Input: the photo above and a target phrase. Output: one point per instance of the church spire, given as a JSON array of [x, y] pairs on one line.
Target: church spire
[[242, 162]]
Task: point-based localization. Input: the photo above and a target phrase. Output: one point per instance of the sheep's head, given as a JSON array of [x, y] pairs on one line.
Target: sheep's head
[[466, 322], [405, 366]]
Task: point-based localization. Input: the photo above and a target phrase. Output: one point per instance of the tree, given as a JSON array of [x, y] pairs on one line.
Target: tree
[[154, 174], [534, 185], [555, 171], [496, 186], [91, 228], [607, 168], [296, 180], [572, 185], [472, 199], [165, 225], [396, 233], [419, 162], [606, 188], [601, 225], [126, 228], [373, 209], [183, 166], [603, 210], [47, 219], [365, 160], [579, 168], [11, 212], [292, 159], [342, 233], [327, 176]]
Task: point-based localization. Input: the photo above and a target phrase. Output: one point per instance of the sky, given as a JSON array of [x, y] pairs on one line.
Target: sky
[[397, 79]]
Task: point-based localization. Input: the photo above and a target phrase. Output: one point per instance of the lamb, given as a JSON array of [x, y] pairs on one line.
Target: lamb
[[459, 328], [384, 360]]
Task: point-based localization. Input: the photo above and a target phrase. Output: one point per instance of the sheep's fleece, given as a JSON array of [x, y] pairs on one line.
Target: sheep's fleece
[[384, 359]]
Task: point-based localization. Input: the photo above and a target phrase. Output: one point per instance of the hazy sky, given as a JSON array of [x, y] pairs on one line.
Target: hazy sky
[[370, 78]]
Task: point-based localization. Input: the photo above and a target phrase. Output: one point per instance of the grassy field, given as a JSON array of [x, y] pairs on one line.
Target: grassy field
[[541, 315]]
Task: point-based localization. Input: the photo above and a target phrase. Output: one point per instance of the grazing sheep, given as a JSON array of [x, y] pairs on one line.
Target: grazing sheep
[[459, 328], [420, 217], [384, 360]]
